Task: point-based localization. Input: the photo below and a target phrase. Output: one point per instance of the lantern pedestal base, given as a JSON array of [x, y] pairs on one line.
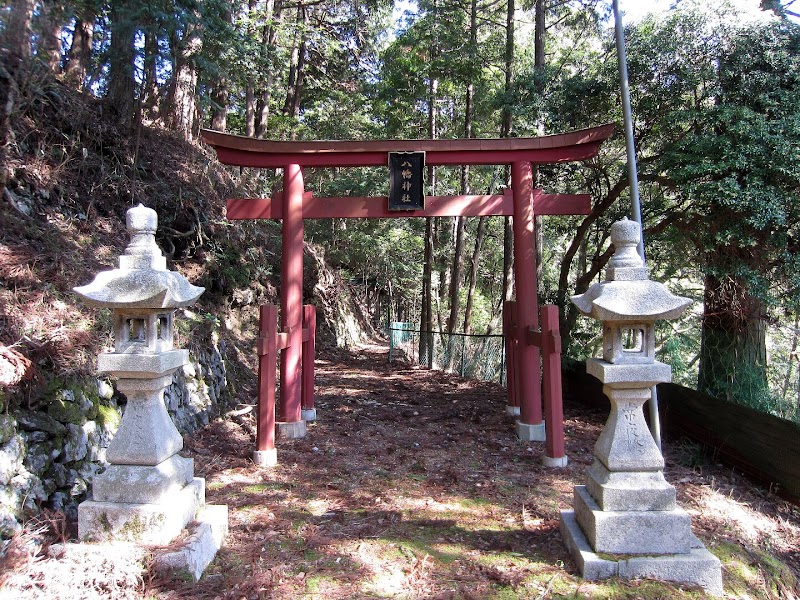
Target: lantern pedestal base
[[637, 491], [698, 566], [632, 531], [136, 484], [200, 548], [139, 522]]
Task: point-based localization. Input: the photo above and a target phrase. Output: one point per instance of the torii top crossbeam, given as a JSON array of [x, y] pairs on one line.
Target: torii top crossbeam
[[564, 147]]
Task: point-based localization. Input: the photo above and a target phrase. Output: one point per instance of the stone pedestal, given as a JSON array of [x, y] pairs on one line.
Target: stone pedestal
[[627, 508], [149, 492]]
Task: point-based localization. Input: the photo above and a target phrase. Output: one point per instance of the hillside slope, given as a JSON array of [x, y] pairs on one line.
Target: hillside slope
[[68, 177]]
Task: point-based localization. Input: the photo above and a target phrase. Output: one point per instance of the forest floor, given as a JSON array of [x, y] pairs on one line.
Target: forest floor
[[412, 484]]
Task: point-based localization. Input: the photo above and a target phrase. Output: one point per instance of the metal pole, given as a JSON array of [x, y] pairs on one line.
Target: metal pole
[[636, 209]]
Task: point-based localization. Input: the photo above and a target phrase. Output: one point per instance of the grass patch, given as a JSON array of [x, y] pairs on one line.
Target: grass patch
[[746, 569]]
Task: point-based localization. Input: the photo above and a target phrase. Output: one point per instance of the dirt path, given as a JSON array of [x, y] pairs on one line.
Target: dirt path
[[412, 484]]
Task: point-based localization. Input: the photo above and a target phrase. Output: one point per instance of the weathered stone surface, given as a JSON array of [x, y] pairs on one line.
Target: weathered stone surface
[[291, 430], [70, 407], [142, 279], [39, 421], [146, 435], [589, 564], [626, 444], [75, 444], [629, 375], [8, 427], [39, 457], [146, 523], [266, 458], [629, 490], [698, 567], [199, 550], [143, 484], [148, 493], [632, 532], [628, 294], [11, 456], [141, 366]]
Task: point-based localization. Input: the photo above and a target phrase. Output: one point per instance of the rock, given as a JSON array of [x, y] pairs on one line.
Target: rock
[[38, 458], [8, 427], [8, 524], [11, 457], [65, 409], [58, 500], [28, 488], [35, 437], [104, 389], [39, 421], [60, 475], [76, 444]]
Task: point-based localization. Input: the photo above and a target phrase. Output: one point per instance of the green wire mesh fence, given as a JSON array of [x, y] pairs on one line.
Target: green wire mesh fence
[[479, 357]]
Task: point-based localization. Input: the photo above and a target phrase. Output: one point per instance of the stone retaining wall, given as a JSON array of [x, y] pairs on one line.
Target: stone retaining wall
[[49, 457]]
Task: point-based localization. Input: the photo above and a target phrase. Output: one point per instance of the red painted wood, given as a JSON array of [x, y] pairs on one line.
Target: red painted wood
[[307, 387], [528, 370], [265, 423], [509, 325], [243, 158], [553, 402], [292, 293], [250, 152], [282, 340], [435, 206]]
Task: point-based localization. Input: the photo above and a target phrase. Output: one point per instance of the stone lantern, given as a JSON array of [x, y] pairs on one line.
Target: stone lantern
[[149, 492], [627, 507]]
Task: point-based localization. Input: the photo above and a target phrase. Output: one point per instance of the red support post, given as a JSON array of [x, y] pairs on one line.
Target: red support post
[[530, 426], [309, 413], [510, 333], [265, 454], [553, 406], [291, 424]]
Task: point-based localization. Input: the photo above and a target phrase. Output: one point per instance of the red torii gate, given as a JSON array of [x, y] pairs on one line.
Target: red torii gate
[[293, 204]]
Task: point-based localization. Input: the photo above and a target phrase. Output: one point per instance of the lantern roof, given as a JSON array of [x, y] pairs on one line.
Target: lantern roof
[[142, 279], [628, 293]]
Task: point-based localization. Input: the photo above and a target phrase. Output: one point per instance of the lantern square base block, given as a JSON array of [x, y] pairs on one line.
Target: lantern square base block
[[140, 522], [643, 490], [697, 567], [136, 484], [632, 531]]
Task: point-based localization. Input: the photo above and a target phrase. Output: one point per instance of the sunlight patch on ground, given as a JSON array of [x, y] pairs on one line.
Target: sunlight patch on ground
[[748, 524], [395, 570], [412, 504]]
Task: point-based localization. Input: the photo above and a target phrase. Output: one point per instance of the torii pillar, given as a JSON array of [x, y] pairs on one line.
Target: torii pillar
[[530, 426], [290, 423]]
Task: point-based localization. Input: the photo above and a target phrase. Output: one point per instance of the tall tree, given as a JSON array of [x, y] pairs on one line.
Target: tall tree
[[121, 88]]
